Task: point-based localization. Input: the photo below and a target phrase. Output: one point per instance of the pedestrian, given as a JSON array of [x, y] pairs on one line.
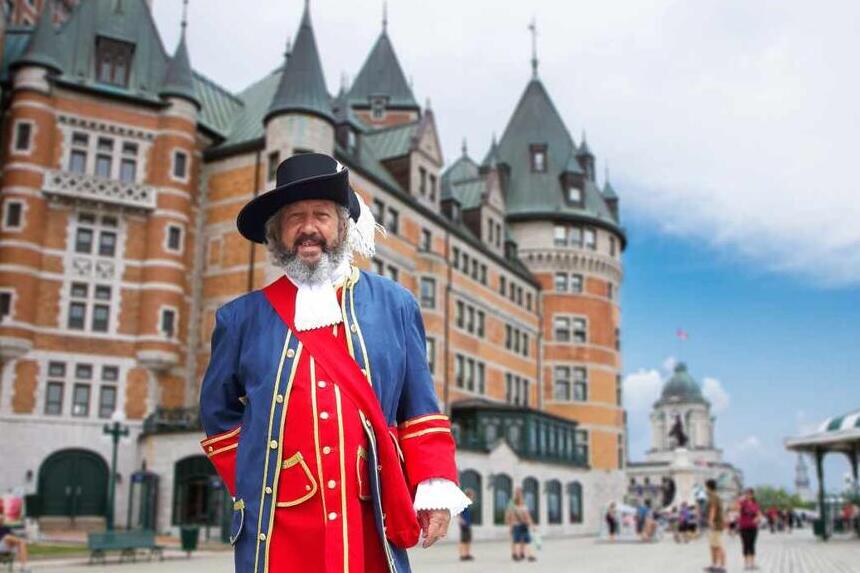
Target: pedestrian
[[749, 516], [611, 521], [685, 522], [716, 524], [10, 543], [466, 529], [304, 378], [519, 519]]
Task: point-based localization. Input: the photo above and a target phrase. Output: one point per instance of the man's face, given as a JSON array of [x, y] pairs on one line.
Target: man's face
[[310, 228]]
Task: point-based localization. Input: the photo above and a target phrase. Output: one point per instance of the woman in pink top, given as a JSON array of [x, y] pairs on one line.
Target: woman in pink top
[[749, 514]]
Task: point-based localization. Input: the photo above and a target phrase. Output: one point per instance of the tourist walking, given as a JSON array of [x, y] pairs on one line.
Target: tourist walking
[[716, 524], [466, 529], [520, 521], [749, 516], [685, 522], [611, 521]]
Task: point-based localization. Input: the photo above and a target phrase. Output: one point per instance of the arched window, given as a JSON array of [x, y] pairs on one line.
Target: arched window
[[532, 497], [553, 498], [574, 492], [470, 479], [502, 487]]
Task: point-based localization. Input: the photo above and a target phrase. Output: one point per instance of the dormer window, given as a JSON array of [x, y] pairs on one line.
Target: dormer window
[[377, 107], [351, 141], [574, 194], [538, 158], [113, 61]]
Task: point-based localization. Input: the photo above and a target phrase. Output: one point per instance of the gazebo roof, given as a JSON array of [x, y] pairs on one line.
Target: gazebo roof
[[836, 434]]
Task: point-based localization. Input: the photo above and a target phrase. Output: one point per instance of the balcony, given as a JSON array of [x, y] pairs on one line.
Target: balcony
[[171, 420], [83, 187]]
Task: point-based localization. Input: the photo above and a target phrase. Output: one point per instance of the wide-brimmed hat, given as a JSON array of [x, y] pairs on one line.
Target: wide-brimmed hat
[[300, 177]]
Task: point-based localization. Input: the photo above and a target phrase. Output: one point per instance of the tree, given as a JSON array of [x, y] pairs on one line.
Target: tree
[[769, 496]]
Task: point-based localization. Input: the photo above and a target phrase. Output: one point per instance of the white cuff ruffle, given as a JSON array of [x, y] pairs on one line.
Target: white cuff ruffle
[[439, 493]]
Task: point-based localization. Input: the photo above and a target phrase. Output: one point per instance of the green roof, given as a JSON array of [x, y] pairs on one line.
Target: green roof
[[394, 141], [42, 47], [464, 169], [573, 165], [302, 85], [381, 75], [179, 78], [15, 42], [343, 112], [219, 107], [469, 193], [531, 194], [681, 389], [609, 191], [492, 158]]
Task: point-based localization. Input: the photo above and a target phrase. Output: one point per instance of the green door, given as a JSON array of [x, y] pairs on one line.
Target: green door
[[73, 483]]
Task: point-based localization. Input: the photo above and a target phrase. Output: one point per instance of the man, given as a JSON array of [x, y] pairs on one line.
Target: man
[[318, 403], [10, 543], [716, 525]]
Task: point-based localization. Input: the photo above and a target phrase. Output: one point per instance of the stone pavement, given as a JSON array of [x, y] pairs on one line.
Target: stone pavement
[[781, 553]]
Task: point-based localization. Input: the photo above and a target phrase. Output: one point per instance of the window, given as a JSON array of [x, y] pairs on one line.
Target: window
[[393, 273], [378, 266], [590, 239], [481, 380], [509, 331], [576, 283], [13, 217], [561, 281], [580, 384], [378, 209], [174, 238], [168, 322], [392, 221], [502, 286], [470, 319], [470, 374], [459, 370], [422, 181], [480, 328], [274, 161], [612, 246], [582, 446], [574, 194], [78, 154], [574, 492], [5, 304], [561, 328], [78, 308], [432, 187], [23, 135], [455, 258], [104, 157], [553, 498], [101, 315], [502, 488], [580, 330], [113, 60], [107, 401], [110, 373], [180, 165], [538, 155], [107, 244], [460, 314], [426, 243], [428, 292], [525, 345], [528, 301], [81, 400], [465, 263], [617, 339], [431, 354], [516, 390], [54, 399], [483, 274], [128, 163], [561, 383], [575, 236], [610, 291], [377, 107], [559, 236]]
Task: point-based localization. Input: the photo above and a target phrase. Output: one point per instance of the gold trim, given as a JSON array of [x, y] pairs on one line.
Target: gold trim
[[360, 336], [361, 454], [287, 392], [397, 447], [317, 432], [218, 438], [348, 336], [297, 458], [344, 527], [421, 419], [269, 433], [224, 449], [238, 504], [422, 432]]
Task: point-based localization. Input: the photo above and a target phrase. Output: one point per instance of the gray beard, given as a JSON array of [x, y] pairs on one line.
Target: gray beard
[[307, 273]]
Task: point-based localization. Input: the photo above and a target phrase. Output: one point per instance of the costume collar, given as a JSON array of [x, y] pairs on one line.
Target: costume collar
[[316, 303]]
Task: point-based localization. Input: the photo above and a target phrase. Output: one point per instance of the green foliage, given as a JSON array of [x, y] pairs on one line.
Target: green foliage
[[769, 496]]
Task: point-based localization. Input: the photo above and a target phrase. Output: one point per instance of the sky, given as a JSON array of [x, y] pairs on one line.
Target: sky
[[728, 128]]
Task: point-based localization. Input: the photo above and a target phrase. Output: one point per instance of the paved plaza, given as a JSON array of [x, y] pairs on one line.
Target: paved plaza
[[781, 553]]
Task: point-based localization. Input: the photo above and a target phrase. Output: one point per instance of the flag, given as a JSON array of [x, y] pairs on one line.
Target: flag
[[682, 334]]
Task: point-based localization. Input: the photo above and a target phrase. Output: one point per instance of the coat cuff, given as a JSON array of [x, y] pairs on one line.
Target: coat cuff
[[221, 450], [440, 493], [428, 449]]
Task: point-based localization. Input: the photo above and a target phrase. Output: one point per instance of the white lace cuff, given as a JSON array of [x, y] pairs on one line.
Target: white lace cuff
[[439, 493]]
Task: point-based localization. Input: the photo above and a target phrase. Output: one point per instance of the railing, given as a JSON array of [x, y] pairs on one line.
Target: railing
[[100, 189], [168, 420]]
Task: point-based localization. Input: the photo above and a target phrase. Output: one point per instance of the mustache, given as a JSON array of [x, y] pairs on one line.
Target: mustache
[[312, 237]]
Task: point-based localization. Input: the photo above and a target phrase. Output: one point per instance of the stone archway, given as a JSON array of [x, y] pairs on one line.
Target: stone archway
[[73, 483]]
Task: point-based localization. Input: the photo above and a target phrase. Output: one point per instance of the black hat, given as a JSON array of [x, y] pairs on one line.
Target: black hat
[[300, 177]]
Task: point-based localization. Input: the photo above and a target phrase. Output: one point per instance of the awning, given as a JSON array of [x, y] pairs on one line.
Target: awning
[[836, 434]]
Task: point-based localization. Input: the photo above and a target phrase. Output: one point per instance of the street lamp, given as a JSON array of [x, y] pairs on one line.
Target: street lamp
[[115, 430]]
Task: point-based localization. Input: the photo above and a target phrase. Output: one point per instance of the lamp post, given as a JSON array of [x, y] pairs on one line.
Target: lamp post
[[116, 431]]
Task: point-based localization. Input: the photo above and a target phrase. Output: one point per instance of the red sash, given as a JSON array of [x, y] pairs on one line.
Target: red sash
[[401, 521]]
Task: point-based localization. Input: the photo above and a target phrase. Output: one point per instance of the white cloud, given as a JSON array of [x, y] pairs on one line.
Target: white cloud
[[641, 390], [713, 390], [669, 364], [750, 444]]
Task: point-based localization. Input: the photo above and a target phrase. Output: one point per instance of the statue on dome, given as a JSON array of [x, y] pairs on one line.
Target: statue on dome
[[677, 432]]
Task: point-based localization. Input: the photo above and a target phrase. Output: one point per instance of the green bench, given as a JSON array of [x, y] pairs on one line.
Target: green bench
[[7, 558], [126, 542]]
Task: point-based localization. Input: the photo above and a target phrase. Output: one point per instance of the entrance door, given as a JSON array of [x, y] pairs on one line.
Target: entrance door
[[197, 493], [73, 483]]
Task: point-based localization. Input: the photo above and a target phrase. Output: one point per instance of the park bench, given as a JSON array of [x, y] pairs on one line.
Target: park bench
[[126, 542]]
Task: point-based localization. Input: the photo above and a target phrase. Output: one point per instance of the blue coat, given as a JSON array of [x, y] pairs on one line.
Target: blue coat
[[252, 347]]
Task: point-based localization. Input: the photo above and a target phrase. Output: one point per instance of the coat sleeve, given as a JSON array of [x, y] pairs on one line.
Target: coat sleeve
[[423, 432], [221, 409]]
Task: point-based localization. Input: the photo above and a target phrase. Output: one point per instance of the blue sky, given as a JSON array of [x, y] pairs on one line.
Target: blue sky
[[785, 352]]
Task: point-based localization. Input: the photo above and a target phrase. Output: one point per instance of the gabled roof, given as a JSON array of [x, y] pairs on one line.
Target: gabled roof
[[381, 75], [464, 169], [394, 141], [531, 194], [42, 47], [302, 85], [179, 77]]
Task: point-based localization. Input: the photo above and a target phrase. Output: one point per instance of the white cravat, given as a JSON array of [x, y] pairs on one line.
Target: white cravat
[[316, 303]]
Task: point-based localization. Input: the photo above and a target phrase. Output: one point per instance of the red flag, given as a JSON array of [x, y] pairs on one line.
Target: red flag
[[682, 334]]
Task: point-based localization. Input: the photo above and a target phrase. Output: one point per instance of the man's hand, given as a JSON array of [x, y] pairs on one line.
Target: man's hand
[[434, 525]]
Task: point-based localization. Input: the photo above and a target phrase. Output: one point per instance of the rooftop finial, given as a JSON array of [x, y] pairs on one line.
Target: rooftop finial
[[289, 48], [427, 105], [385, 15], [184, 16], [465, 148], [606, 169], [533, 30]]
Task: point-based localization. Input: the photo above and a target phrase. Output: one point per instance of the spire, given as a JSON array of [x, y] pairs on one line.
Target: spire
[[492, 159], [384, 16], [381, 75], [584, 149], [302, 86], [42, 47], [533, 30], [465, 148], [179, 77]]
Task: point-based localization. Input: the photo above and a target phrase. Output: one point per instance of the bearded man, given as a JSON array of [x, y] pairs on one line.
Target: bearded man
[[318, 404]]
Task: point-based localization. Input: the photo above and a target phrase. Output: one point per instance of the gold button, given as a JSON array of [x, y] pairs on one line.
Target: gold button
[[279, 398], [353, 328], [211, 449], [307, 488], [268, 490], [291, 353], [364, 371], [379, 468], [332, 516], [273, 444], [262, 537], [326, 450], [321, 383], [324, 415], [331, 484]]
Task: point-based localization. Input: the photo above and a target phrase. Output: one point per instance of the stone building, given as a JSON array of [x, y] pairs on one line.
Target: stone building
[[123, 170], [683, 455]]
